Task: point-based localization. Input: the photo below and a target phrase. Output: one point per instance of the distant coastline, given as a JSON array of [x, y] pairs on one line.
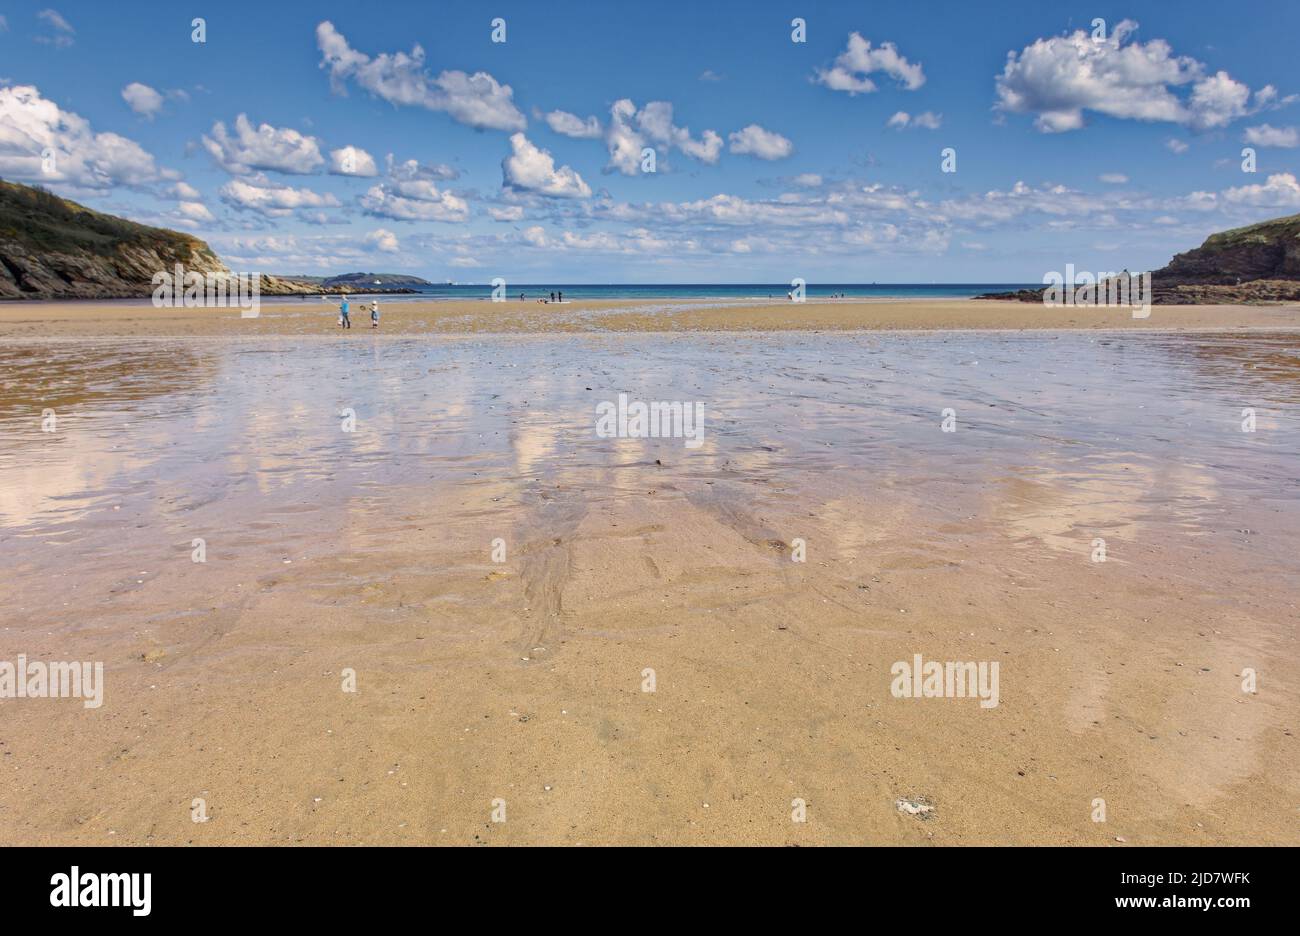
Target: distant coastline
[[723, 291]]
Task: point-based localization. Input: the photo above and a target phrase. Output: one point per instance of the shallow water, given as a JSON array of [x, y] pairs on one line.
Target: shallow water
[[203, 420]]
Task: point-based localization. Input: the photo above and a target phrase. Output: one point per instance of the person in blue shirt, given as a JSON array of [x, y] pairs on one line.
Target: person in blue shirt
[[344, 321]]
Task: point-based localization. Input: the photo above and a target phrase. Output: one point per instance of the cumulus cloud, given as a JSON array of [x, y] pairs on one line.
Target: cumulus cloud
[[353, 161], [531, 169], [764, 144], [249, 149], [411, 193], [412, 170], [808, 180], [384, 240], [32, 127], [382, 202], [851, 68], [926, 119], [1265, 135], [630, 130], [1059, 78], [194, 211], [289, 251], [1280, 191], [142, 99], [571, 125], [507, 213], [477, 100], [1176, 146], [258, 194]]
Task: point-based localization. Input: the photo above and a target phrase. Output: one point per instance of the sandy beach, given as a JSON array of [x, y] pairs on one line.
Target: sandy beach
[[406, 317], [501, 585]]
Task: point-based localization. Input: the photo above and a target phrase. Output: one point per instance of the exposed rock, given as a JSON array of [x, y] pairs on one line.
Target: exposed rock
[[1269, 250], [1253, 264], [53, 248]]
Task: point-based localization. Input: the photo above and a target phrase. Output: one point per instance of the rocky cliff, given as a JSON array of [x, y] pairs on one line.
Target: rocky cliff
[[1269, 250], [53, 248], [1257, 263]]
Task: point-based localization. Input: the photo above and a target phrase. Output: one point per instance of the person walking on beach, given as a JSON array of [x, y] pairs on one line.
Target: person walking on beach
[[561, 295], [344, 321], [552, 296], [374, 313]]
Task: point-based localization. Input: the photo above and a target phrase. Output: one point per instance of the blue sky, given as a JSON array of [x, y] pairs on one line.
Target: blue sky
[[314, 138]]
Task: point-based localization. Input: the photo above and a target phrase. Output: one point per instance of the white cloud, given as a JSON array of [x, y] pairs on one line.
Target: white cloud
[[808, 180], [291, 252], [852, 67], [478, 100], [1265, 135], [55, 19], [260, 195], [1176, 146], [1280, 191], [630, 130], [411, 193], [1060, 78], [279, 149], [571, 125], [529, 168], [142, 99], [1113, 178], [351, 160], [926, 119], [384, 240], [382, 202], [764, 144], [507, 213], [194, 211], [63, 31], [413, 170], [30, 125], [185, 191]]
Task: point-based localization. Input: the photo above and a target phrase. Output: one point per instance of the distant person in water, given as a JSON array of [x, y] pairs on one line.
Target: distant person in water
[[552, 296], [374, 313], [344, 320], [561, 296]]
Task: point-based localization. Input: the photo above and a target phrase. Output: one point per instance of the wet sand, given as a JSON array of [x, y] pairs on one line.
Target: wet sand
[[297, 317], [522, 680]]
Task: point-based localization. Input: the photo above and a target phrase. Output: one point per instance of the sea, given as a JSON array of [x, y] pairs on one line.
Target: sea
[[734, 291]]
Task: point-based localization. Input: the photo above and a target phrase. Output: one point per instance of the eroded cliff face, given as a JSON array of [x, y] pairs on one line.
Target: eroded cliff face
[[53, 248], [123, 272], [1269, 250], [1257, 263]]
